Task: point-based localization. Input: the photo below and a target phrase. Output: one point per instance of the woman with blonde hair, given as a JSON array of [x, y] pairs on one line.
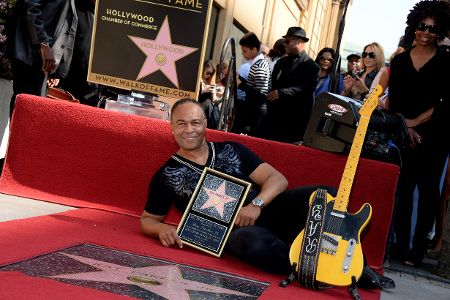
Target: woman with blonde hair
[[382, 79], [372, 61], [206, 97]]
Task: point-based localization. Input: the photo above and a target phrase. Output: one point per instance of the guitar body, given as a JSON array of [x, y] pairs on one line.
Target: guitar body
[[340, 255], [332, 253]]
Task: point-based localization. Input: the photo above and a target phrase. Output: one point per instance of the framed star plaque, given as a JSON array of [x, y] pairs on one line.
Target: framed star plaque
[[212, 210], [154, 46]]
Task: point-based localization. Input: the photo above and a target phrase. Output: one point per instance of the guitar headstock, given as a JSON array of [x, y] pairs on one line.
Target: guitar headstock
[[371, 102]]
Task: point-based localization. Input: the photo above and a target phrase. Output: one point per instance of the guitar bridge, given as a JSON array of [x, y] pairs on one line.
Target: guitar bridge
[[349, 255], [329, 243]]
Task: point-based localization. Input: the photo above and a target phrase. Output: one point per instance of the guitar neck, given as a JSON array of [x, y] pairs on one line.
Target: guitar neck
[[345, 187]]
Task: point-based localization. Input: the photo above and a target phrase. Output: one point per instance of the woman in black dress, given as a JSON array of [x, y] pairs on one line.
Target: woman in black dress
[[419, 90]]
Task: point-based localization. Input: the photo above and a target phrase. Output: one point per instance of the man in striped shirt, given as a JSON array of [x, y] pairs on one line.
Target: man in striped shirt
[[256, 86]]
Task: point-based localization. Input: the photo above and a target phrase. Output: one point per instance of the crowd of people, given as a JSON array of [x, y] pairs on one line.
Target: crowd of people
[[277, 90], [275, 102]]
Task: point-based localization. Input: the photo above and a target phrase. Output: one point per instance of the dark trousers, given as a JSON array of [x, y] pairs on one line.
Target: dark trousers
[[422, 166], [266, 245], [26, 79], [248, 117]]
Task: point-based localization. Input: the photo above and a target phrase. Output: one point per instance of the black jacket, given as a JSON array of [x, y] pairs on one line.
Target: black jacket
[[295, 77], [39, 21]]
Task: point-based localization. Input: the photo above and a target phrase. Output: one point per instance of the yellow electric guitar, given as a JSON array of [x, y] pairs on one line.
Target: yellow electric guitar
[[339, 248]]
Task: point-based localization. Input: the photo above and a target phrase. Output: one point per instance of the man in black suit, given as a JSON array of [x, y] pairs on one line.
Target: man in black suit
[[294, 80], [44, 38]]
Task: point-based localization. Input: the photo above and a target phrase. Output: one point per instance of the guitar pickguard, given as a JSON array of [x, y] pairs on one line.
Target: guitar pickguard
[[343, 224]]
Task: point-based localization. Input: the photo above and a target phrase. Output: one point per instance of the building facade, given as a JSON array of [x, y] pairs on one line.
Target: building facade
[[270, 19]]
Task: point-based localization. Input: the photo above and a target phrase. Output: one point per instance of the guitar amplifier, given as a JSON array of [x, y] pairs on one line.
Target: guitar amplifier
[[333, 123]]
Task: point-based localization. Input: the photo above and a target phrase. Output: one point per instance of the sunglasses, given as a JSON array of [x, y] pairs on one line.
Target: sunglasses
[[369, 54], [431, 28], [287, 41], [328, 59]]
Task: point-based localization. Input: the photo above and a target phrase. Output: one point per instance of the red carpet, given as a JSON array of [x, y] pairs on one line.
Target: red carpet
[[49, 233], [15, 285], [87, 157], [102, 161]]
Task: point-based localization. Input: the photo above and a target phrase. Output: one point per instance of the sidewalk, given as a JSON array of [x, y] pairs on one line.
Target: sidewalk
[[5, 96], [415, 283], [411, 283]]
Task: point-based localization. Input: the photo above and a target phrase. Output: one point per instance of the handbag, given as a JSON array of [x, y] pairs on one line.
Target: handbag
[[60, 94]]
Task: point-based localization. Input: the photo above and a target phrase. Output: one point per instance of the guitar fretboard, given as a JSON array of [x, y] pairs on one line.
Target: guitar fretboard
[[345, 187]]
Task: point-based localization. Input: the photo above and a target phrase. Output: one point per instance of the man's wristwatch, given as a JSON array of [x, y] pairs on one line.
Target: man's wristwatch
[[257, 202]]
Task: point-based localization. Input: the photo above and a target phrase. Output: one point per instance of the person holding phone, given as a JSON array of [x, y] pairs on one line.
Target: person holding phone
[[357, 86]]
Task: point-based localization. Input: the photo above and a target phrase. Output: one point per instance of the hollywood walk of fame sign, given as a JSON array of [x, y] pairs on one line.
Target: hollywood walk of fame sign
[[135, 276], [212, 210], [154, 46]]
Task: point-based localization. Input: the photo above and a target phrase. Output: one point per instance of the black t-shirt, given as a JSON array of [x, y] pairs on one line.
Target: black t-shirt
[[175, 181], [413, 92]]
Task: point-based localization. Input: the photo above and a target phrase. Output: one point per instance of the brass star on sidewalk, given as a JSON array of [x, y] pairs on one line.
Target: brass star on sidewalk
[[166, 281]]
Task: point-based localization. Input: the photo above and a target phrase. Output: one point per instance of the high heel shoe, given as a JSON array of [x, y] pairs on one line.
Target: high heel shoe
[[413, 259], [411, 263]]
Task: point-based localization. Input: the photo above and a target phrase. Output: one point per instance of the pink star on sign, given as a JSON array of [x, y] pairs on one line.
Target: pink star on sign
[[166, 281], [161, 53], [217, 199]]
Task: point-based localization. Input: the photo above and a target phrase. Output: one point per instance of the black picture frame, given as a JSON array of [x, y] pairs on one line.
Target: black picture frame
[[212, 211], [135, 42]]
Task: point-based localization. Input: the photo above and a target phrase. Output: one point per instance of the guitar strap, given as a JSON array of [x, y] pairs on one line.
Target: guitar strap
[[309, 254]]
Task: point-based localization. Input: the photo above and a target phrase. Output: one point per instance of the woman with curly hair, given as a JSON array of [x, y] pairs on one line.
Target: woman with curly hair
[[419, 91]]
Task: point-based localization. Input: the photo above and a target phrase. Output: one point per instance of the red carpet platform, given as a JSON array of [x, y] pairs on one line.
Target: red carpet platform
[[102, 161], [31, 237]]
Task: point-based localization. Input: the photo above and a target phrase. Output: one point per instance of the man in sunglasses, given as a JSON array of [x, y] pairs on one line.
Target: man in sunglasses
[[353, 69], [353, 64], [294, 80]]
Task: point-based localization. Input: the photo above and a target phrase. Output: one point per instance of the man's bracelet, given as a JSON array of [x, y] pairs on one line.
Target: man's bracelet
[[44, 45]]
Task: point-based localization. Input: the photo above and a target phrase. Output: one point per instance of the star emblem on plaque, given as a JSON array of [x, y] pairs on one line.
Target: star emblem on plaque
[[220, 202], [212, 210]]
